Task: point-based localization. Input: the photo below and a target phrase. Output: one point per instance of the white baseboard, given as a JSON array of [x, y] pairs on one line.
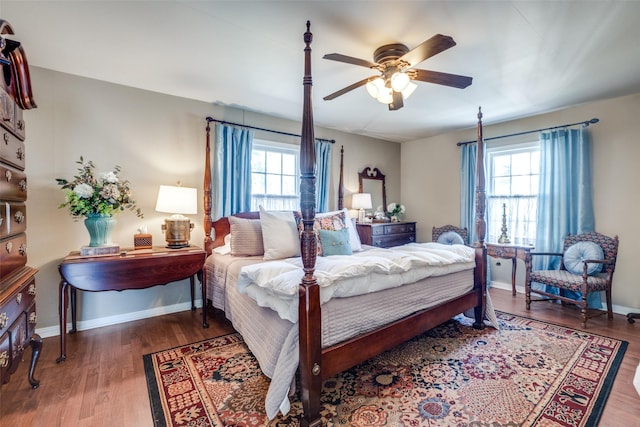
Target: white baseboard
[[83, 325], [620, 309]]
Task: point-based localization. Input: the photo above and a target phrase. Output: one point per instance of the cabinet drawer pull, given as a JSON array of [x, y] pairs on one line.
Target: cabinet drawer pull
[[20, 124], [4, 359], [19, 298], [32, 289], [18, 217], [8, 175], [20, 153], [8, 247], [33, 318], [22, 250], [4, 319], [23, 185], [6, 138]]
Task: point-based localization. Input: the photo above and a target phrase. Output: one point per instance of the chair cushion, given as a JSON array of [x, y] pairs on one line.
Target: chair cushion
[[581, 251], [565, 280], [450, 238]]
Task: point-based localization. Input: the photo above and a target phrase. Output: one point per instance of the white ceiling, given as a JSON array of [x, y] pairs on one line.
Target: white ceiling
[[525, 57]]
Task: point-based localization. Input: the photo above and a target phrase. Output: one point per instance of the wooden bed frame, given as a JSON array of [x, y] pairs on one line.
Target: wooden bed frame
[[317, 363]]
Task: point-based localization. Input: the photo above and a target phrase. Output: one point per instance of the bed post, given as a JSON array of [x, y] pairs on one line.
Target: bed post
[[341, 181], [208, 242], [309, 292], [481, 229]]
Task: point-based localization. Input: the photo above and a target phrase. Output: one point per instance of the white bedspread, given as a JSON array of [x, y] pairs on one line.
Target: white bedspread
[[274, 284]]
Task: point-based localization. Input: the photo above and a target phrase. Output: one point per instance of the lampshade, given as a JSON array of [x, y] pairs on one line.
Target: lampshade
[[361, 201], [177, 200]]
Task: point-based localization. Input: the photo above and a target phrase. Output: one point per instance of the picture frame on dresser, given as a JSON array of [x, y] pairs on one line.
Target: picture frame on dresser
[[17, 280]]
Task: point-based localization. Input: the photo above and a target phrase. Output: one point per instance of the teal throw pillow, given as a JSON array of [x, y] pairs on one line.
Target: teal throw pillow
[[578, 252], [335, 242]]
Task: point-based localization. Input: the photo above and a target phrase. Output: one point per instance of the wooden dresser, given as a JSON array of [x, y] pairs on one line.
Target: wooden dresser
[[17, 280], [386, 234]]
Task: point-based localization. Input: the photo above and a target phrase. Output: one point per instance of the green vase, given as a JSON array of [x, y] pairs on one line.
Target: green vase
[[100, 227]]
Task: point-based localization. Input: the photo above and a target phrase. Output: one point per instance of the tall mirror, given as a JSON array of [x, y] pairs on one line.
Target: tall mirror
[[372, 181]]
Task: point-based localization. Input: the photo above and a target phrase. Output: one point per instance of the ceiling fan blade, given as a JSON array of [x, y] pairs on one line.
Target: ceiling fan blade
[[397, 102], [427, 49], [446, 79], [350, 60], [347, 89]]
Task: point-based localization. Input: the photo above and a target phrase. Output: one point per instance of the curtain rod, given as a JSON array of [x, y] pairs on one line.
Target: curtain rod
[[211, 119], [585, 124]]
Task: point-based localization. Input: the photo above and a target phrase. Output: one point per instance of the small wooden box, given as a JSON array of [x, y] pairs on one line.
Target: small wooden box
[[142, 241]]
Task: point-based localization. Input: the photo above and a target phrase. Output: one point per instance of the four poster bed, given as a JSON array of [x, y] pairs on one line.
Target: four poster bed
[[319, 327]]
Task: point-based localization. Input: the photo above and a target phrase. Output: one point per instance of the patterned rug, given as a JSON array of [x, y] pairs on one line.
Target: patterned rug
[[527, 373]]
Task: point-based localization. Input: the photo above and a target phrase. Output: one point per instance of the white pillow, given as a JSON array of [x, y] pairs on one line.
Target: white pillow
[[354, 238], [226, 248], [279, 234]]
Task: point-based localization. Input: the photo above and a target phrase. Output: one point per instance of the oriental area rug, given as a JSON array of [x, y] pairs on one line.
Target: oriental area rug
[[527, 373]]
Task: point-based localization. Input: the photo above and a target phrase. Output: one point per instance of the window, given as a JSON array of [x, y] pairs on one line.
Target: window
[[513, 176], [274, 180]]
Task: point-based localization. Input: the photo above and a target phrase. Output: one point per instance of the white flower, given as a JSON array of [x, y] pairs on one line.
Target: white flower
[[401, 209], [109, 177], [83, 190], [391, 207]]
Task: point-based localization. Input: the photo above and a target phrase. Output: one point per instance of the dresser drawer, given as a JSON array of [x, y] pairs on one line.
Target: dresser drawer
[[11, 117], [393, 240], [13, 184], [11, 150], [13, 253], [16, 218], [19, 301], [399, 228]]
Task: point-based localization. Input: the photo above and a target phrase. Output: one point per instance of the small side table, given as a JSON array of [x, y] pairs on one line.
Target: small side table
[[513, 252], [131, 269]]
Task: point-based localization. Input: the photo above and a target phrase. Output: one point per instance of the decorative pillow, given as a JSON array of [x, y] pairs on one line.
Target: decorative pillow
[[354, 238], [246, 236], [324, 221], [335, 242], [279, 234], [226, 248], [450, 238], [578, 252]]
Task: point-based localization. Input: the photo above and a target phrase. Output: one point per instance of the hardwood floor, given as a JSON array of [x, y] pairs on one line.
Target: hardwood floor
[[102, 382]]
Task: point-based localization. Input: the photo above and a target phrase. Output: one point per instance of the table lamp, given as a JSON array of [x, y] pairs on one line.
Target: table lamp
[[361, 201], [177, 201]]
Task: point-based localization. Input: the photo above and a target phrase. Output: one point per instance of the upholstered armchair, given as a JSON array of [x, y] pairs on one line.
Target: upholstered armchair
[[587, 264], [445, 234]]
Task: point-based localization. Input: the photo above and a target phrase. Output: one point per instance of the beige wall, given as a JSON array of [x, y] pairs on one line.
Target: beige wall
[[431, 180], [156, 139]]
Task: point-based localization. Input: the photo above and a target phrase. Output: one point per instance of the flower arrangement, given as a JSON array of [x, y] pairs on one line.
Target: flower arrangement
[[394, 210], [104, 195]]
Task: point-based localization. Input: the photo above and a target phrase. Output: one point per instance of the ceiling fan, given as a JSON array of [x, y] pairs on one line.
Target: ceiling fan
[[395, 63]]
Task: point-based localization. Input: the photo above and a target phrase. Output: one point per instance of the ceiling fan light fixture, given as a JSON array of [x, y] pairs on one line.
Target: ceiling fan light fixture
[[400, 81], [411, 87], [385, 95], [375, 86]]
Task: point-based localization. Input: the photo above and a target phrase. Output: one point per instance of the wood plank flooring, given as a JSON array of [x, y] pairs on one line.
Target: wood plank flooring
[[102, 382]]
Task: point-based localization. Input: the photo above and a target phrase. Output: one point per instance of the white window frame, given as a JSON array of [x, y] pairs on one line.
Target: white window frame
[[277, 201], [521, 225]]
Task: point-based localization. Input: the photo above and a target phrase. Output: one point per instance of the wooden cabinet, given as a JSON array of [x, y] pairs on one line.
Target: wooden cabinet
[[387, 234], [17, 280]]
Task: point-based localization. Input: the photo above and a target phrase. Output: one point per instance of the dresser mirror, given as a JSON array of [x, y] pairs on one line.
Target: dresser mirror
[[372, 181]]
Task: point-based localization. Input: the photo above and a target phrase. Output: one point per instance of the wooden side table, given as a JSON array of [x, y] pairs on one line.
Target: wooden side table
[[513, 252], [132, 269]]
